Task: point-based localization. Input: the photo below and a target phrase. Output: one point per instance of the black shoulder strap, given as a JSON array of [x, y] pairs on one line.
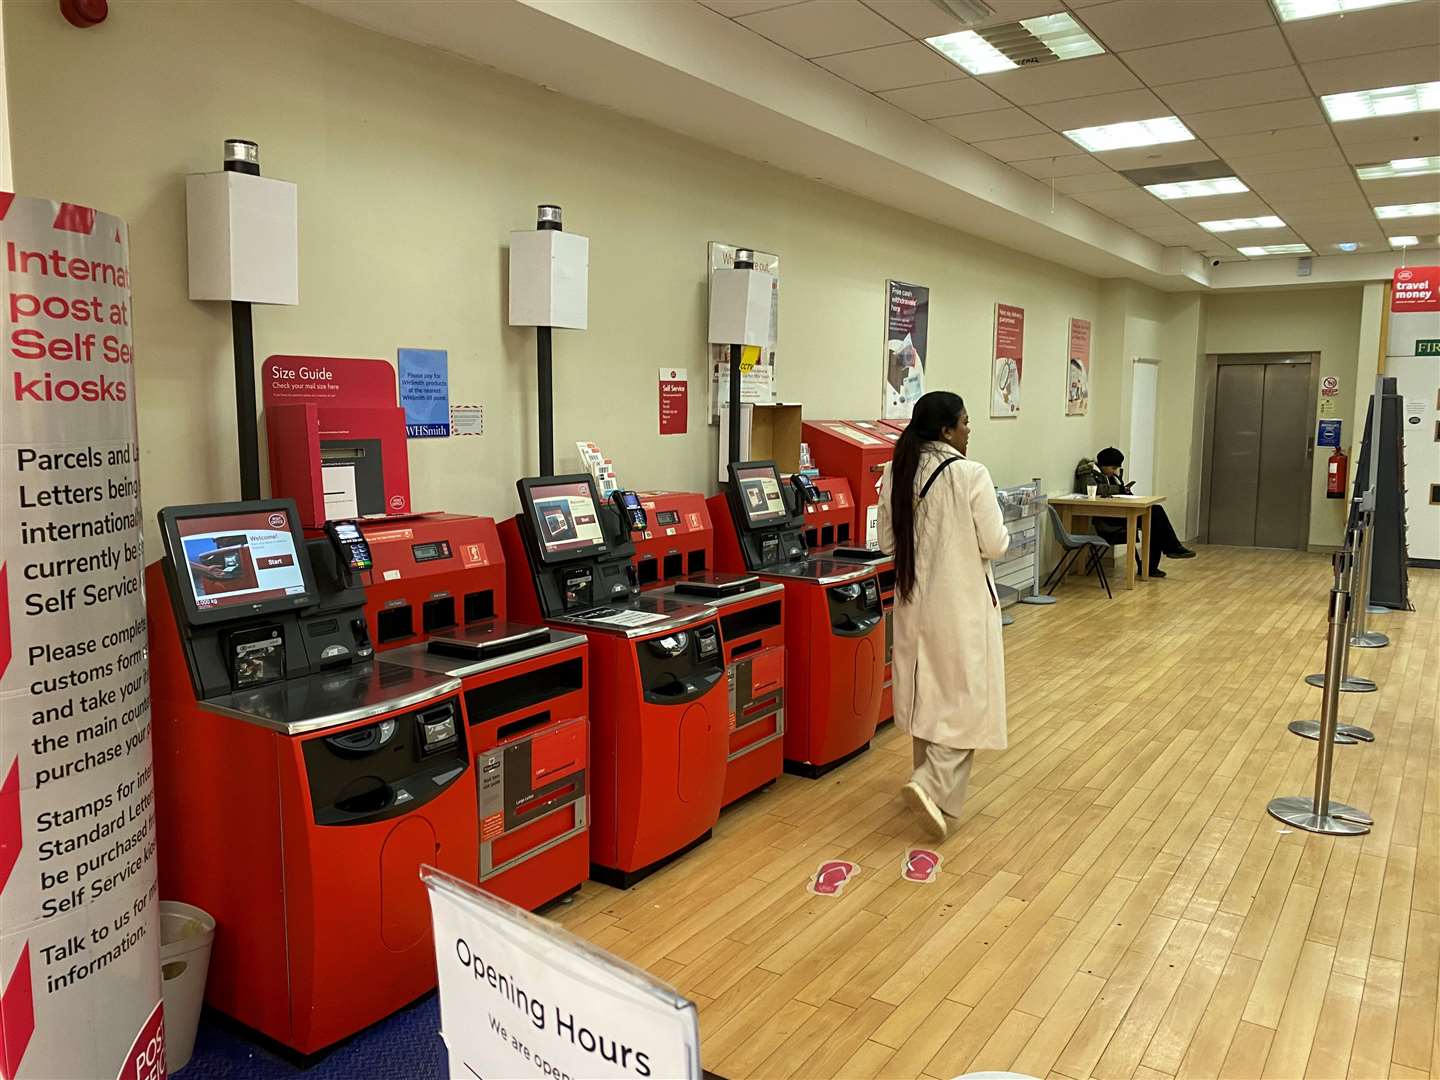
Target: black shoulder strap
[[938, 470]]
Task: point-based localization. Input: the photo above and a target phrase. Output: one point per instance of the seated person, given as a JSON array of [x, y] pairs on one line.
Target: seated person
[[1104, 474]]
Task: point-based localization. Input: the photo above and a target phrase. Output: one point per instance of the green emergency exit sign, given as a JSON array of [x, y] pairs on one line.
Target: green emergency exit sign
[[1427, 347]]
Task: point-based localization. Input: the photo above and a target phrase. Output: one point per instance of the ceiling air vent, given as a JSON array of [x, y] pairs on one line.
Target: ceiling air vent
[[969, 12]]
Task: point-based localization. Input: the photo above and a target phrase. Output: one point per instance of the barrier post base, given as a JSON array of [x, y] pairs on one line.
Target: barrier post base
[[1371, 639], [1338, 820], [1345, 734], [1352, 684]]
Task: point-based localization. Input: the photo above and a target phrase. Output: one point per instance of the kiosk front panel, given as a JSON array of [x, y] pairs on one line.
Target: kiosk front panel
[[525, 694], [834, 644], [659, 736], [300, 784]]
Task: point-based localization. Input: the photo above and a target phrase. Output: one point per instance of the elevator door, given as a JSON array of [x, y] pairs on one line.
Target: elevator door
[[1260, 458]]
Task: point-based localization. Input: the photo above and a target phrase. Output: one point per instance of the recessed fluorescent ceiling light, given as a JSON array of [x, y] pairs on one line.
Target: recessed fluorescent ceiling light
[[1404, 241], [1387, 101], [1274, 249], [1414, 209], [1290, 10], [1063, 36], [1348, 245], [1159, 129], [1410, 166], [1042, 40], [972, 52], [1236, 224], [1194, 189]]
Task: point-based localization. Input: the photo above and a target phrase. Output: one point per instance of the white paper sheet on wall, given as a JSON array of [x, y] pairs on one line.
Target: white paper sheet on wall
[[342, 497]]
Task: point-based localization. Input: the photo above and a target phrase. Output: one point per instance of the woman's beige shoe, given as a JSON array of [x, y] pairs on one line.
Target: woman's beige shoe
[[924, 806]]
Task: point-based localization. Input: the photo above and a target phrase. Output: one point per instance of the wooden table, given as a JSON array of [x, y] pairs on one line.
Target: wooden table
[[1135, 509]]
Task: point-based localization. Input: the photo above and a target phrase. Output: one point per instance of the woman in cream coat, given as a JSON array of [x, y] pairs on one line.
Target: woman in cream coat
[[940, 518]]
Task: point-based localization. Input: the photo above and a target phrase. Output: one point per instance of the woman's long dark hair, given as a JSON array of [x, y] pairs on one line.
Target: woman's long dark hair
[[934, 412]]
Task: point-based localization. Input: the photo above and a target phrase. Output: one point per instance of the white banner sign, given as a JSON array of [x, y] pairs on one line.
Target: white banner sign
[[79, 920], [520, 997]]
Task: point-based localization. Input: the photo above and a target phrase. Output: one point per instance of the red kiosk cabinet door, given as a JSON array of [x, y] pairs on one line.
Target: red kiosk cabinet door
[[404, 907]]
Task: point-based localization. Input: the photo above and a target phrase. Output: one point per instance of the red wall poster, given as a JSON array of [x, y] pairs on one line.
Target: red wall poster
[[1077, 370], [1009, 360], [674, 401]]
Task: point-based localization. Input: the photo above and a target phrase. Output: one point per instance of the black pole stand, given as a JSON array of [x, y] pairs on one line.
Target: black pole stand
[[242, 155], [544, 382], [735, 353]]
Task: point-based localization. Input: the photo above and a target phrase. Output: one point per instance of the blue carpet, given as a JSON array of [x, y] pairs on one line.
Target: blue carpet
[[407, 1044]]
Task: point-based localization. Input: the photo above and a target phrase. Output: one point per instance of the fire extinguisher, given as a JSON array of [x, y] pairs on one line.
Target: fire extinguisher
[[1336, 475]]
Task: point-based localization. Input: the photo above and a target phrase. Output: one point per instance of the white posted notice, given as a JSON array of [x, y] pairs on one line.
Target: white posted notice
[[521, 997]]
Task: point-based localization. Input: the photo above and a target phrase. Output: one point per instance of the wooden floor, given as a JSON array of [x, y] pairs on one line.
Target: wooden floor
[[1115, 902]]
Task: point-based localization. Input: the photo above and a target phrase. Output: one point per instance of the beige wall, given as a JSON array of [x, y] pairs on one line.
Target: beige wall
[[1325, 321], [413, 167]]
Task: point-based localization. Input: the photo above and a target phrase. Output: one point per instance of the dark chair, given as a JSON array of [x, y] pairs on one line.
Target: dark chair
[[1097, 548]]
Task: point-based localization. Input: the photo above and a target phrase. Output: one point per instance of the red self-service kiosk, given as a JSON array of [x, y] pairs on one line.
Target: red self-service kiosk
[[658, 717], [857, 451], [834, 645], [300, 783], [436, 597], [672, 552]]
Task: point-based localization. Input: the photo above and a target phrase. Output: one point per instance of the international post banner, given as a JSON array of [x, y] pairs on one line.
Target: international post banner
[[79, 910], [521, 997]]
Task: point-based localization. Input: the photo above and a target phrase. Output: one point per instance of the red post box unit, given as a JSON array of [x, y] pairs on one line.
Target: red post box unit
[[858, 452]]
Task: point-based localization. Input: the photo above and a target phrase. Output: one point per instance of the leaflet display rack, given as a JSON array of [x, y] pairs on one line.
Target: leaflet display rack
[[1017, 572], [1389, 573]]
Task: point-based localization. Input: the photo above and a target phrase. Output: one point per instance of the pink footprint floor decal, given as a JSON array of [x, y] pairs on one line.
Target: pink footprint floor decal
[[921, 864], [832, 877]]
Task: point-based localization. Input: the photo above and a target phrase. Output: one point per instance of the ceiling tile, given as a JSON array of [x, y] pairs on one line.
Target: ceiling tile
[[1249, 50], [1401, 189], [995, 124], [1410, 65], [1133, 202], [1268, 142], [1136, 24], [923, 18], [1363, 31], [733, 8], [1070, 165], [1384, 128], [964, 95], [890, 67], [1293, 180], [1367, 153], [1428, 225], [1211, 208], [1085, 77], [1231, 91], [1100, 109], [1250, 118], [1146, 157], [822, 27], [1106, 181], [1247, 237], [1325, 239], [1249, 165], [1026, 147]]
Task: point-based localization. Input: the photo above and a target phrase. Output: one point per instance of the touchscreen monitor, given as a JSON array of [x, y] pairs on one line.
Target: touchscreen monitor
[[566, 517], [760, 496], [238, 559]]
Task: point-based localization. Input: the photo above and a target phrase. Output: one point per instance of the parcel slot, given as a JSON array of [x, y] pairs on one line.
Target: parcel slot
[[521, 692]]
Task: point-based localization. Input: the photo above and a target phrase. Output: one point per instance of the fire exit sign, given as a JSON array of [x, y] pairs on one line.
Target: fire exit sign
[[1427, 347]]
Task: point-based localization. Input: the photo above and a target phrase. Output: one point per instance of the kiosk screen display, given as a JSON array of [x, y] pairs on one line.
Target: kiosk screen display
[[567, 520], [760, 495], [245, 558]]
